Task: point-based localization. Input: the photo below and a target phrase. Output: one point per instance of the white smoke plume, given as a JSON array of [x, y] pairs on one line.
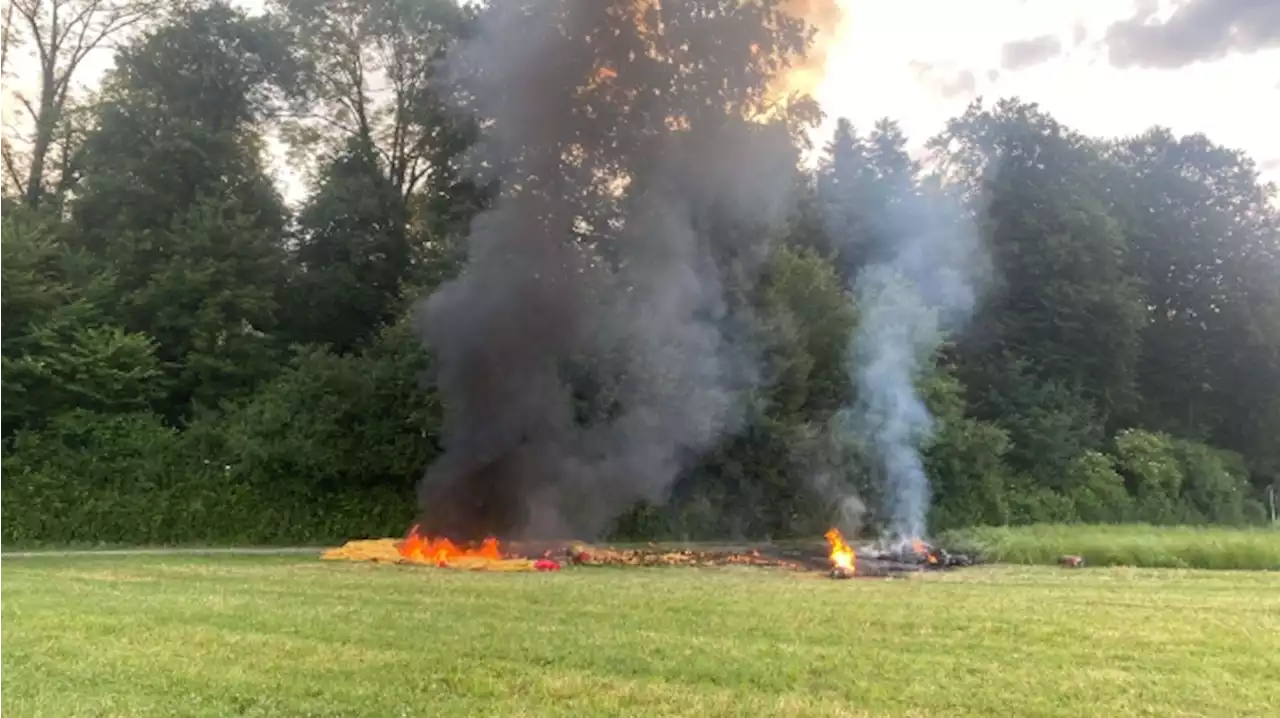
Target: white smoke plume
[[921, 266]]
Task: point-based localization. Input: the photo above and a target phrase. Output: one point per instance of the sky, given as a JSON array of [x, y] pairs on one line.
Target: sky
[[1103, 67]]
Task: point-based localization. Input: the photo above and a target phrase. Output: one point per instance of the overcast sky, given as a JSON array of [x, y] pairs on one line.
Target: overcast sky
[[1104, 67]]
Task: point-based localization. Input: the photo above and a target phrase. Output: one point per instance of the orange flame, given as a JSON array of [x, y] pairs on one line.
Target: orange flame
[[842, 555], [828, 19], [419, 548], [922, 549]]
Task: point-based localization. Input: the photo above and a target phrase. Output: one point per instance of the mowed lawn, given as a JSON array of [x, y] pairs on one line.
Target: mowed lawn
[[294, 636]]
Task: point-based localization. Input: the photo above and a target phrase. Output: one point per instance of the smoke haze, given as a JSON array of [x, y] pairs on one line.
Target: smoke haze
[[921, 266], [588, 350]]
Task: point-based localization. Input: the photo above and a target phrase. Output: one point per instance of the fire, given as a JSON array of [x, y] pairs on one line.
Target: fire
[[922, 549], [842, 555], [827, 19], [419, 548]]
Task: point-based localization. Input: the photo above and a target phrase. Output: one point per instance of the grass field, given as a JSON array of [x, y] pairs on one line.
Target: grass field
[[1129, 545], [291, 636]]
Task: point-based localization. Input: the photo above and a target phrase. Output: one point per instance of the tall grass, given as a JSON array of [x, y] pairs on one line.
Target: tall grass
[[1125, 545]]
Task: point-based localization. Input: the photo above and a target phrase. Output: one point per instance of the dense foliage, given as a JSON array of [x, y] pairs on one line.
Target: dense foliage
[[188, 359]]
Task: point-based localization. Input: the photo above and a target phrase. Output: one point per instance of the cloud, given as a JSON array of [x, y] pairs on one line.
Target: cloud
[[1271, 165], [993, 75], [1021, 54], [947, 83], [961, 84], [1079, 33], [1198, 31]]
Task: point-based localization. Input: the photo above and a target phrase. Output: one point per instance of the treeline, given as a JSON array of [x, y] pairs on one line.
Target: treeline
[[188, 359]]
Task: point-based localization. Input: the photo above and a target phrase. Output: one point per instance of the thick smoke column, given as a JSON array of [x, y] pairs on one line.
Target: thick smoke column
[[590, 348], [921, 266]]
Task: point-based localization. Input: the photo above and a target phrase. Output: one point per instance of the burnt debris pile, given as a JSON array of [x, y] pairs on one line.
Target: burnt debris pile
[[870, 562]]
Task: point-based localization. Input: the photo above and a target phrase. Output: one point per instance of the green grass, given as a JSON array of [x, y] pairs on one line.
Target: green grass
[[289, 636], [1127, 545]]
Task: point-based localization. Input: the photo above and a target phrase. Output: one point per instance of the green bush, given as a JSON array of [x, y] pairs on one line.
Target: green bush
[[965, 460], [1153, 474], [1037, 504], [1097, 489], [129, 479], [1215, 484], [333, 424], [88, 477]]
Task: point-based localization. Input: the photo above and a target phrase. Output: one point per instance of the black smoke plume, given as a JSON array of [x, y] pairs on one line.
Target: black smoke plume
[[594, 343]]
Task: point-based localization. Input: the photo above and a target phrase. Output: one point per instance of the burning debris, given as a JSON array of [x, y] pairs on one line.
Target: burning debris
[[394, 551], [838, 558], [903, 557], [925, 555], [844, 560], [418, 548], [490, 555]]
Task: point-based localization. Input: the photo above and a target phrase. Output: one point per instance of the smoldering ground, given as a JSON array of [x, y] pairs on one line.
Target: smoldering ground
[[591, 347]]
